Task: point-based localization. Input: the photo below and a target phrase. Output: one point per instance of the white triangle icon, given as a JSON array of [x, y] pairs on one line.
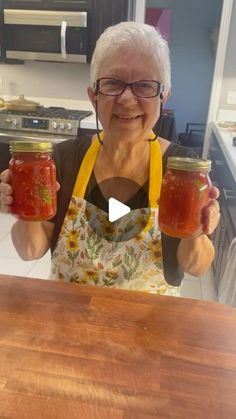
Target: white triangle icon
[[116, 209]]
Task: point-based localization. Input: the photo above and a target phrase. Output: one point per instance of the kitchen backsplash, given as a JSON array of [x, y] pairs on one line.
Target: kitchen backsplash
[[42, 79], [229, 74]]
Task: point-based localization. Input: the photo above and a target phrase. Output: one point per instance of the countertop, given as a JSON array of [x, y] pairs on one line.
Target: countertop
[[224, 138], [75, 351]]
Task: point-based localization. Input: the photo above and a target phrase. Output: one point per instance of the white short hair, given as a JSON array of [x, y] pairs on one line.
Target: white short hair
[[133, 36]]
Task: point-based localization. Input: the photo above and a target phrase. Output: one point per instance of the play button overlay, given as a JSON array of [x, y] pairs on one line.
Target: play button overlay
[[122, 212], [116, 209]]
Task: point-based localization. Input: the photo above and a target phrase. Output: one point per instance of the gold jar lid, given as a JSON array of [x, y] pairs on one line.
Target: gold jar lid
[[185, 163], [31, 146]]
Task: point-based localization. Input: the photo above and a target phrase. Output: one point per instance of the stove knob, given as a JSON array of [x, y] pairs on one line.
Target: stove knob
[[62, 126], [69, 126], [15, 122], [54, 125]]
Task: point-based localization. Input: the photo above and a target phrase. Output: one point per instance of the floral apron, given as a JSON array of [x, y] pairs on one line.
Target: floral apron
[[83, 256]]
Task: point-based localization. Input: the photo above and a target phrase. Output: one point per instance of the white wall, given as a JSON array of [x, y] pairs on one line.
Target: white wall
[[192, 56], [42, 79], [229, 74]]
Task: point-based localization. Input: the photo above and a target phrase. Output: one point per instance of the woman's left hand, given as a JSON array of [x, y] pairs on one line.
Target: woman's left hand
[[211, 213]]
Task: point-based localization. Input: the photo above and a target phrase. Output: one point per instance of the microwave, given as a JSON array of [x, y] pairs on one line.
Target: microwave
[[46, 35]]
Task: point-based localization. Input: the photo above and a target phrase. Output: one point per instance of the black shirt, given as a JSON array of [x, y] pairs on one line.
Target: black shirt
[[68, 157]]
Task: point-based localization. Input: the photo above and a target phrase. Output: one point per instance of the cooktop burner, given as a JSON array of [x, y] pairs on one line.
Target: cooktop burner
[[51, 112], [53, 120]]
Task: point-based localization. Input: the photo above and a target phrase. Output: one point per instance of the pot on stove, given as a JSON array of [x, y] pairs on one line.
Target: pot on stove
[[20, 104]]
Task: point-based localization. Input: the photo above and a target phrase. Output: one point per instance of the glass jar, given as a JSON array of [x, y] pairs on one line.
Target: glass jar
[[184, 193], [33, 180]]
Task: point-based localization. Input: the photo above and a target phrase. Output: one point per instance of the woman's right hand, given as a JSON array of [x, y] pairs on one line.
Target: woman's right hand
[[6, 190]]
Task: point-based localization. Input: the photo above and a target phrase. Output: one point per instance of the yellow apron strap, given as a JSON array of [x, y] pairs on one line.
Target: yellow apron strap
[[86, 168], [155, 171]]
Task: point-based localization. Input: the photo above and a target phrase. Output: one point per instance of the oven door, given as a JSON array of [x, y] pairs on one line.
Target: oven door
[[46, 35]]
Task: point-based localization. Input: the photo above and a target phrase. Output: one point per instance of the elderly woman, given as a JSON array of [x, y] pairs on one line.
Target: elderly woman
[[130, 80]]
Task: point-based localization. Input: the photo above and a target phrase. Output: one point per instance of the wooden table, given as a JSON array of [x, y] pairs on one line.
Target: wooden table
[[71, 351]]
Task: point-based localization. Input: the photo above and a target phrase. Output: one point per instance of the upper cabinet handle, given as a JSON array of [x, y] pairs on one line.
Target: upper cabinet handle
[[63, 38]]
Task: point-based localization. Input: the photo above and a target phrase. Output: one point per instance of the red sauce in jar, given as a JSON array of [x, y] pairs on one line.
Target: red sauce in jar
[[184, 193], [33, 180]]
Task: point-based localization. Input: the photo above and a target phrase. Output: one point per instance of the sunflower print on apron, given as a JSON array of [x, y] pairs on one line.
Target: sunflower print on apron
[[108, 258]]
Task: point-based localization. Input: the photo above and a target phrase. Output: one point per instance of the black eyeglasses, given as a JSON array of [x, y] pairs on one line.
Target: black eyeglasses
[[141, 88]]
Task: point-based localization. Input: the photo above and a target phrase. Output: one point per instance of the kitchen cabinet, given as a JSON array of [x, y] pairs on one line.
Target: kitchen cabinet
[[48, 4], [222, 177], [106, 13], [75, 5], [24, 4]]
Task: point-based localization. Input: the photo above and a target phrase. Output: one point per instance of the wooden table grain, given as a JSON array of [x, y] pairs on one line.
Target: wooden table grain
[[74, 351]]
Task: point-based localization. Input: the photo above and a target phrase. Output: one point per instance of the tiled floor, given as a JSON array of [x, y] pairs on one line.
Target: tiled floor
[[10, 263]]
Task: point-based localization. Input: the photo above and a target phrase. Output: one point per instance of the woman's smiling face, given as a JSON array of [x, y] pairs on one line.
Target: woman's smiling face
[[126, 115]]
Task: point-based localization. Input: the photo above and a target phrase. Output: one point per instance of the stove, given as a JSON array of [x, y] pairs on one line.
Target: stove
[[53, 121]]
